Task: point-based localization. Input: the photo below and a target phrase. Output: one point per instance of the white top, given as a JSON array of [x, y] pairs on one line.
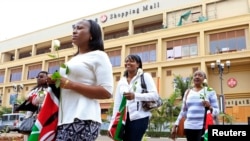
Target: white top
[[134, 106], [92, 68]]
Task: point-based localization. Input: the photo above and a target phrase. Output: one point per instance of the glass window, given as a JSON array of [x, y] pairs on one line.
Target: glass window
[[13, 117], [117, 60], [115, 57], [1, 76], [227, 41], [43, 50], [148, 27], [16, 75], [146, 52], [54, 66], [193, 50], [66, 45], [116, 34], [33, 71], [152, 55], [5, 118], [53, 69], [181, 48]]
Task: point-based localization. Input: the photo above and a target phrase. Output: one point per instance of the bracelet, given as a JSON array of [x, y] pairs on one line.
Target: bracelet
[[66, 82]]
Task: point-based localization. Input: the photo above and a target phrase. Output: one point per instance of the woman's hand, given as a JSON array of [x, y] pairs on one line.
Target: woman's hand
[[49, 79], [129, 95], [173, 132], [206, 103], [64, 82]]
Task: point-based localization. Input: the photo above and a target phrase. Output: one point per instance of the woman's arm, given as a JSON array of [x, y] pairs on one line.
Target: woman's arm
[[152, 94], [214, 107]]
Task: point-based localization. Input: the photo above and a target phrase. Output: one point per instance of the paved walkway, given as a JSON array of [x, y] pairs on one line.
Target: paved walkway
[[106, 138], [100, 138]]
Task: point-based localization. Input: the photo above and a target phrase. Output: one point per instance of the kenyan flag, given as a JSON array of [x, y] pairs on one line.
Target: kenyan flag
[[209, 121], [116, 131], [46, 123]]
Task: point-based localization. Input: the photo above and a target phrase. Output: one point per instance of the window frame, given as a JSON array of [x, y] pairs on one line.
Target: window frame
[[33, 70], [174, 48], [54, 66], [147, 52], [226, 41], [115, 57], [15, 74]]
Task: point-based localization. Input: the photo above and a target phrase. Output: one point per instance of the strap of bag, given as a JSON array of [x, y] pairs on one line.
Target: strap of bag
[[185, 106], [143, 84]]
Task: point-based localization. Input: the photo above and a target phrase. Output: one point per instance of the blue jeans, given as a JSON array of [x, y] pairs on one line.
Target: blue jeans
[[134, 130]]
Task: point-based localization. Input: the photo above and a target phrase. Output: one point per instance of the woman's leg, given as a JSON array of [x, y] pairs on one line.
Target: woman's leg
[[193, 135], [134, 130]]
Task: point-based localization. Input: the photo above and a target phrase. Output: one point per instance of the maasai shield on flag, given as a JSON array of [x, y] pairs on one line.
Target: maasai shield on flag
[[209, 121], [45, 126], [116, 131]]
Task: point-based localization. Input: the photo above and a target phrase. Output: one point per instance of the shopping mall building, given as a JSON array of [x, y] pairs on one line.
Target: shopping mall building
[[172, 38]]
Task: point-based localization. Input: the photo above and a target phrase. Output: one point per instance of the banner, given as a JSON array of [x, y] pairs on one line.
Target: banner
[[13, 98]]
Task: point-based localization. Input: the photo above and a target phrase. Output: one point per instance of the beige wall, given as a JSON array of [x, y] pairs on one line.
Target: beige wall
[[240, 73]]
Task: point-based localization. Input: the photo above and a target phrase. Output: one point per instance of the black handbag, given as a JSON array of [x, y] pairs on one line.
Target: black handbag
[[27, 124], [149, 105]]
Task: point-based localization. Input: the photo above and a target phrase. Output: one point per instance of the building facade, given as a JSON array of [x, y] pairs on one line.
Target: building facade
[[172, 38]]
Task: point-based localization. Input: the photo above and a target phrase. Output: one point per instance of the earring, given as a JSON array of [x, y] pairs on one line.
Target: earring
[[90, 38]]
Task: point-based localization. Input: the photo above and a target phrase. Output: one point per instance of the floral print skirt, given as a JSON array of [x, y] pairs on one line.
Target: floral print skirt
[[79, 130]]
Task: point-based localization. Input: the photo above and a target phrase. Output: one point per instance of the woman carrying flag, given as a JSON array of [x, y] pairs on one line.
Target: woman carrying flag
[[129, 88], [198, 101]]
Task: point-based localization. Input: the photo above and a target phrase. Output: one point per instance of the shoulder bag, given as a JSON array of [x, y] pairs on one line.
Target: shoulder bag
[[149, 105], [180, 129], [27, 124]]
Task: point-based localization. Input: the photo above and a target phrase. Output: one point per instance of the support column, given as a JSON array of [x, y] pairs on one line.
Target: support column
[[164, 20], [130, 28], [201, 43]]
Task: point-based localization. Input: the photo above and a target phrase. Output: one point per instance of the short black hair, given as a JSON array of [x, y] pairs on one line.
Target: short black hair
[[45, 72], [135, 58]]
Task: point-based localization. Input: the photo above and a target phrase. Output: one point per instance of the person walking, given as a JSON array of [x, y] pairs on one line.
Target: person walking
[[90, 78], [34, 101], [129, 86], [196, 102]]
